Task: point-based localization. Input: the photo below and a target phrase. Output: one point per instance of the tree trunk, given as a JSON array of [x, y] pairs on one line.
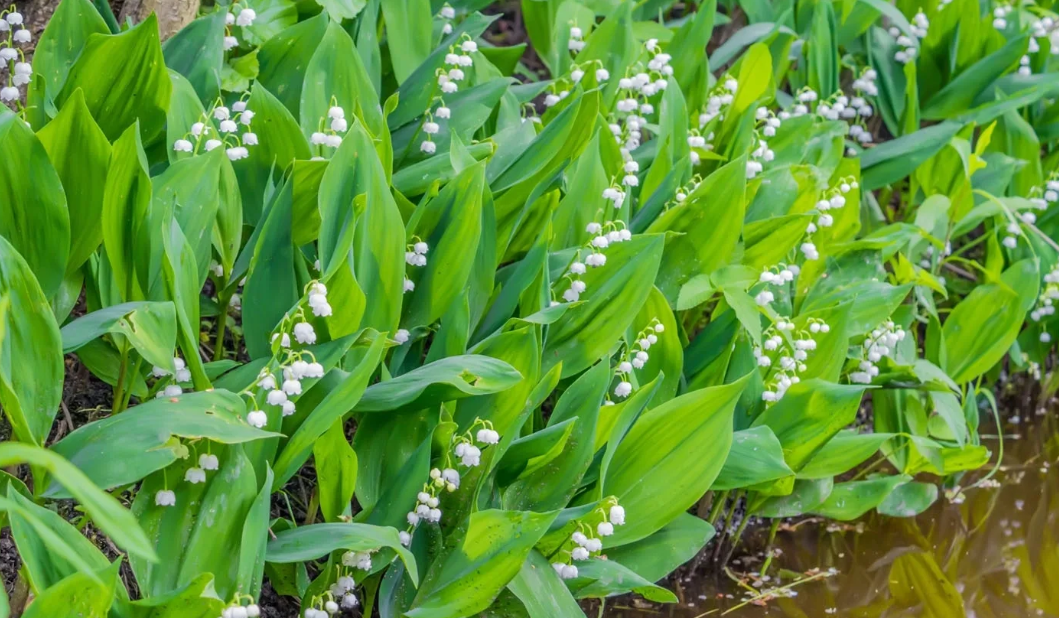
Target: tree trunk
[[172, 14]]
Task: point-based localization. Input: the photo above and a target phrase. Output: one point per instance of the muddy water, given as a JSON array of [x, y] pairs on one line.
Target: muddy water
[[995, 555]]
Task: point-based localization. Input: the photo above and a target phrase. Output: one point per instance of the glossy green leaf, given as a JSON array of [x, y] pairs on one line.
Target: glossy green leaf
[[80, 153], [493, 551], [123, 449], [308, 542], [149, 326], [31, 363], [120, 94], [691, 436], [756, 457], [105, 510], [455, 377], [35, 219], [589, 330]]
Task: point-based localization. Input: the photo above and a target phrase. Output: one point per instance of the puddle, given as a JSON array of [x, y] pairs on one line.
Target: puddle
[[996, 555]]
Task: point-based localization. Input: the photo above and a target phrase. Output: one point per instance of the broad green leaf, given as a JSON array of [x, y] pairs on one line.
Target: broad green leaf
[[280, 141], [690, 438], [493, 551], [191, 189], [850, 500], [409, 34], [308, 542], [149, 326], [336, 471], [808, 416], [125, 448], [128, 225], [842, 453], [613, 292], [31, 363], [335, 76], [909, 500], [80, 153], [120, 94], [69, 28], [710, 220], [806, 496], [201, 533], [271, 289], [451, 225], [105, 510], [34, 219], [541, 591], [598, 578], [198, 599], [553, 485], [980, 330], [196, 52], [82, 594], [756, 457], [658, 555], [50, 547], [455, 377]]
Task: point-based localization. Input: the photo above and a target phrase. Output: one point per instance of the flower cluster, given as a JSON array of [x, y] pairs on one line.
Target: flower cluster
[[879, 343], [458, 58], [602, 235], [577, 40], [783, 353], [806, 97], [1045, 27], [635, 91], [720, 97], [1045, 302], [832, 198], [331, 128], [415, 255], [781, 277], [1042, 198], [238, 610], [280, 384], [1000, 14], [560, 88], [182, 375], [758, 157], [635, 357], [428, 500], [1014, 230], [343, 589], [446, 14], [448, 479], [245, 18], [919, 27], [226, 134], [19, 71], [587, 541]]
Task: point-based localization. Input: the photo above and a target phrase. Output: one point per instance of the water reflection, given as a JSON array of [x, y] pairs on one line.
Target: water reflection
[[995, 555]]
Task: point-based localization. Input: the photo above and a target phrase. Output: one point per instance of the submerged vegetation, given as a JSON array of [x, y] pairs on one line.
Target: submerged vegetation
[[396, 316]]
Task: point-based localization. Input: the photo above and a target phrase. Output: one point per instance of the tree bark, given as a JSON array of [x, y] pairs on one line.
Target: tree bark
[[172, 14]]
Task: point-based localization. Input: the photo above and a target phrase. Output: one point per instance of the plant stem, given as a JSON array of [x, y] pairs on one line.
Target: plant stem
[[718, 503], [738, 536], [768, 551], [222, 323], [119, 389]]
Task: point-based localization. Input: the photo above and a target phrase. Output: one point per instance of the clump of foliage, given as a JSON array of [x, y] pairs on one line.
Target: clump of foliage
[[503, 331]]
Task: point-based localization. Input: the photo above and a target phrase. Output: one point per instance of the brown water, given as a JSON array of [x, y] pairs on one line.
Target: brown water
[[996, 555]]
